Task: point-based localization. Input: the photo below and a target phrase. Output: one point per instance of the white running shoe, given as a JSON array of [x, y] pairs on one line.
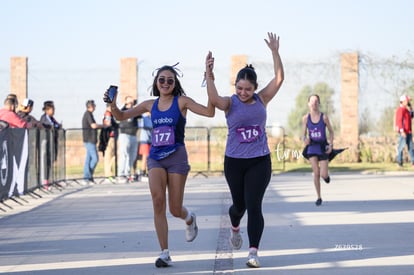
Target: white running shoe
[[164, 260], [236, 239], [192, 229], [253, 259], [122, 179]]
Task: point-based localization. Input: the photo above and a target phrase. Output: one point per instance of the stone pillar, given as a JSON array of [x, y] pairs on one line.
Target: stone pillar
[[349, 102], [129, 79], [18, 77], [237, 62]]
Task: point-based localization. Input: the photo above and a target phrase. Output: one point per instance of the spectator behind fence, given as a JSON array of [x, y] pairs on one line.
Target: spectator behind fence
[[247, 162], [90, 138], [24, 112], [48, 117], [49, 141], [8, 114], [403, 123], [107, 144], [16, 101], [128, 143]]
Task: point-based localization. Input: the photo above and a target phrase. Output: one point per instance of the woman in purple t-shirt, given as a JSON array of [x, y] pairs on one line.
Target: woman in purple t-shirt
[[247, 163], [318, 148]]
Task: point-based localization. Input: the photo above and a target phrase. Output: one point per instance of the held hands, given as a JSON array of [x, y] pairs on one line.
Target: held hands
[[209, 62], [209, 67], [273, 42]]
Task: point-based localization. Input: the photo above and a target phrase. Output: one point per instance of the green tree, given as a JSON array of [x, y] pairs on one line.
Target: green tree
[[365, 122], [301, 105], [386, 121], [409, 91]]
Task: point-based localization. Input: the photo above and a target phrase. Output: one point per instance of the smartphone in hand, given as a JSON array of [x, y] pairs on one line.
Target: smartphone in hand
[[112, 91]]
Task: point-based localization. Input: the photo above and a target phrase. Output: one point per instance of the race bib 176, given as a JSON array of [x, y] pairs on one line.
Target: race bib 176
[[248, 133]]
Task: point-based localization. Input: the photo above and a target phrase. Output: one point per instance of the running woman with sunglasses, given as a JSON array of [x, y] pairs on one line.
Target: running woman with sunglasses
[[247, 163], [167, 162]]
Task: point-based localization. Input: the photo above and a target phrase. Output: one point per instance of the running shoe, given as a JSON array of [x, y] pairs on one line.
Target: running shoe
[[328, 179], [109, 180], [236, 239], [122, 179], [253, 259], [164, 260], [192, 229], [318, 202]]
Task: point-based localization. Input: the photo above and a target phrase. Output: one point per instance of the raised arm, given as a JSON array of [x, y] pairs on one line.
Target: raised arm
[[223, 103], [187, 103], [268, 92]]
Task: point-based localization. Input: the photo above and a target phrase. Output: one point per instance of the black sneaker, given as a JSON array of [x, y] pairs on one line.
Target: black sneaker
[[328, 179], [318, 202]]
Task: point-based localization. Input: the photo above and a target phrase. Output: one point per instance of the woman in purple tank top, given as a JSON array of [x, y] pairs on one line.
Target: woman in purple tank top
[[247, 163], [167, 163], [318, 149]]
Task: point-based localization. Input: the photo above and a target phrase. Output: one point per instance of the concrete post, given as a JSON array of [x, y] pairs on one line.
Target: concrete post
[[18, 77], [129, 78], [237, 62], [349, 102]]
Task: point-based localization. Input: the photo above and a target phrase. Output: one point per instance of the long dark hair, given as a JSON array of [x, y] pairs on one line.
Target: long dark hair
[[178, 89], [248, 73]]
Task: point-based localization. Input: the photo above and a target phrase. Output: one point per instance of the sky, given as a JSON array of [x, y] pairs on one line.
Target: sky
[[74, 47]]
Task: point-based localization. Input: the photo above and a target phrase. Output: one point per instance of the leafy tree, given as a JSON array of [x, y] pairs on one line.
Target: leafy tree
[[386, 121], [301, 105], [365, 122], [409, 91]]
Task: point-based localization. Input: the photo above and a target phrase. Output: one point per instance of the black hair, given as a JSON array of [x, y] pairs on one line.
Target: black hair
[[10, 101], [178, 89], [90, 102], [248, 73], [48, 104], [14, 97]]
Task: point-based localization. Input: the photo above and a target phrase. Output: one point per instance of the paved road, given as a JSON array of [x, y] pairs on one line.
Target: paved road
[[364, 226]]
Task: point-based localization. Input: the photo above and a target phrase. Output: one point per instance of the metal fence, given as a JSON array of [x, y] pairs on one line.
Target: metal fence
[[31, 159], [46, 158], [205, 148], [55, 156]]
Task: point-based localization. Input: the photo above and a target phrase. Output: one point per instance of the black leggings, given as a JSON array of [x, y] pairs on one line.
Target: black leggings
[[248, 180]]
